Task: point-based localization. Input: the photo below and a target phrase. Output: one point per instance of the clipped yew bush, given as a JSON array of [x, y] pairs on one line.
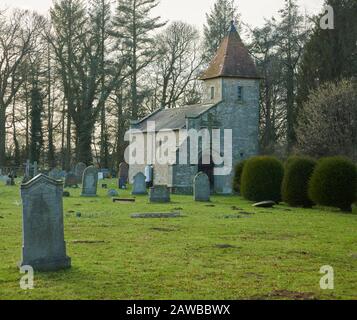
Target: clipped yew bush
[[262, 178], [238, 171], [334, 183], [295, 187]]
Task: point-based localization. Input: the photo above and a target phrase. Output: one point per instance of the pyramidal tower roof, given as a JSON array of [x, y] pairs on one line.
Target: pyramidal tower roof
[[232, 59]]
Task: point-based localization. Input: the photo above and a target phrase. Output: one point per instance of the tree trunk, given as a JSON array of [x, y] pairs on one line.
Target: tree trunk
[[84, 139], [68, 145], [2, 136]]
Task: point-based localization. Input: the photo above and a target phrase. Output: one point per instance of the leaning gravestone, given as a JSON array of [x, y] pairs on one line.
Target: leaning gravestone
[[201, 187], [70, 180], [55, 174], [139, 185], [123, 175], [78, 171], [90, 182], [44, 248], [159, 194]]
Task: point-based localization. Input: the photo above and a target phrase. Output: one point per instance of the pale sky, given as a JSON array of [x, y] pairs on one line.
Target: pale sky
[[193, 11]]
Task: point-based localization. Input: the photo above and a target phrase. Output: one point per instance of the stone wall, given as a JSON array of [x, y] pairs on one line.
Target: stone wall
[[217, 85]]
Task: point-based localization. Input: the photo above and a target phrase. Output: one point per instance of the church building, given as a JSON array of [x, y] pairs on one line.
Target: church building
[[230, 101]]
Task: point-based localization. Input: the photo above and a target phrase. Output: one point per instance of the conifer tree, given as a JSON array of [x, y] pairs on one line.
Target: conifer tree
[[218, 22], [133, 27], [330, 55]]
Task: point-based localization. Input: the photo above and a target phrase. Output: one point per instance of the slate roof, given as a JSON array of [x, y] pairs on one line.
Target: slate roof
[[232, 59], [173, 119]]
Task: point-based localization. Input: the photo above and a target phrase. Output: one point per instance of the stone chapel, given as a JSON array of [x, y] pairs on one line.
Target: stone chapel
[[230, 101]]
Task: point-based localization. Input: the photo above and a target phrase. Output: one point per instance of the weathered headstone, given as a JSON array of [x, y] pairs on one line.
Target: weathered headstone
[[70, 180], [78, 171], [139, 185], [55, 174], [100, 176], [123, 175], [44, 248], [90, 182], [201, 187], [159, 194]]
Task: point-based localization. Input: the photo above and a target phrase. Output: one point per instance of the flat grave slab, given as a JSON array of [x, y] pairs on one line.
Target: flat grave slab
[[156, 215], [123, 200]]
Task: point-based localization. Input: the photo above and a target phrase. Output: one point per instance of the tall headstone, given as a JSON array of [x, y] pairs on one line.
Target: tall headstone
[[123, 175], [139, 185], [44, 248], [90, 182], [201, 187], [78, 171], [159, 194]]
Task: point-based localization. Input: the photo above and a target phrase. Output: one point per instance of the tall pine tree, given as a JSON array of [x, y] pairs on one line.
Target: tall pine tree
[[218, 22], [330, 55], [292, 34], [133, 27]]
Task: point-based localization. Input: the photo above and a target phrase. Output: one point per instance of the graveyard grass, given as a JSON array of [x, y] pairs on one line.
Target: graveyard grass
[[221, 250]]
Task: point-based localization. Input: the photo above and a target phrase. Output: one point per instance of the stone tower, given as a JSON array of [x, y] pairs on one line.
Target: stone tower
[[231, 72], [232, 82]]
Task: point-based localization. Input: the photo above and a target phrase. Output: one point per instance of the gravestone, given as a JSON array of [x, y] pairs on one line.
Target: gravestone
[[44, 248], [159, 194], [90, 182], [123, 175], [55, 174], [78, 171], [201, 187], [70, 180], [139, 185]]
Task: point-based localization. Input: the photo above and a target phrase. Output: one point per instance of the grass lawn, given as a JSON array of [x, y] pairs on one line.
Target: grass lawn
[[222, 250]]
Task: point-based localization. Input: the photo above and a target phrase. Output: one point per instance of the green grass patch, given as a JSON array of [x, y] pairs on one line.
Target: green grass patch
[[221, 250]]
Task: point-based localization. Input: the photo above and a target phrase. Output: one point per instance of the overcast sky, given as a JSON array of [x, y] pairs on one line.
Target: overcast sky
[[193, 11]]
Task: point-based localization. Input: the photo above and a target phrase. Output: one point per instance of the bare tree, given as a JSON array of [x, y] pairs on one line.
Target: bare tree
[[18, 35], [177, 63]]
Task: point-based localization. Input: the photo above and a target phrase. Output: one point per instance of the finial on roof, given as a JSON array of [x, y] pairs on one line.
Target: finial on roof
[[232, 27]]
